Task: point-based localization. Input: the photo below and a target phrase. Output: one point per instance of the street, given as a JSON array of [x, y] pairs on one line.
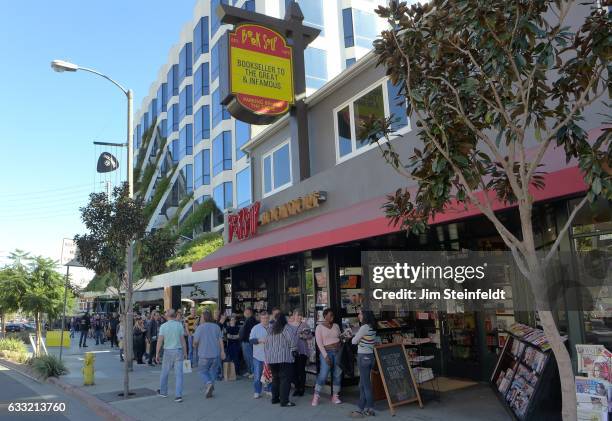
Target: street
[[16, 388]]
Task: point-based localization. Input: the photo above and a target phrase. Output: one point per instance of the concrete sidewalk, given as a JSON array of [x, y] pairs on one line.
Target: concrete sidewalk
[[233, 400]]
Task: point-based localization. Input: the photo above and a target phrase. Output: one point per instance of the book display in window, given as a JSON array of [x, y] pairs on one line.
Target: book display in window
[[525, 377]]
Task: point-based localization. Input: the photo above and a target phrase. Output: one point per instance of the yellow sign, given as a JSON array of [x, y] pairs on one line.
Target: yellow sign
[[261, 72], [54, 337], [293, 207]]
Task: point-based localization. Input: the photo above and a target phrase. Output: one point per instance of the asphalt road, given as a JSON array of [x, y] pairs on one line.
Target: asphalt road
[[16, 388]]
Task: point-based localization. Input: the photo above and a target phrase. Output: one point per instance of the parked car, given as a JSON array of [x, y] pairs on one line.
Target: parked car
[[19, 327]]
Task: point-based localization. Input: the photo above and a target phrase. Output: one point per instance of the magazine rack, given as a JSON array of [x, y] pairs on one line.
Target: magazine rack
[[525, 377]]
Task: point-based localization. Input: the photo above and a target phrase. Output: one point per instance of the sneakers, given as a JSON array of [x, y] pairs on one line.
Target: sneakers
[[369, 413], [336, 399], [161, 395], [256, 396], [315, 399], [250, 376], [178, 399], [268, 394], [209, 390], [357, 414]]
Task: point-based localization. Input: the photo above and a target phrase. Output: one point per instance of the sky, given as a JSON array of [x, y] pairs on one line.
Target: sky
[[49, 120]]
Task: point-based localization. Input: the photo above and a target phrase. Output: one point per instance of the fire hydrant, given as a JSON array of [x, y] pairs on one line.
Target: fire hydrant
[[88, 369]]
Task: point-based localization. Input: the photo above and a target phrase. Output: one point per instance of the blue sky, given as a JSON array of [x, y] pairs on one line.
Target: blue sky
[[49, 120]]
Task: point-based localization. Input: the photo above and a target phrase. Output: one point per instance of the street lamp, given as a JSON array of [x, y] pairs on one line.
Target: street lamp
[[66, 66]]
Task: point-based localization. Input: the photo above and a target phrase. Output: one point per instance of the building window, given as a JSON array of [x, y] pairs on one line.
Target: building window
[[186, 102], [214, 62], [162, 98], [200, 38], [186, 141], [313, 13], [243, 188], [215, 23], [222, 195], [173, 147], [201, 121], [352, 115], [222, 152], [249, 5], [202, 168], [397, 106], [316, 67], [188, 175], [242, 132], [347, 24], [350, 62], [163, 128], [145, 122], [173, 119], [138, 136], [153, 109], [219, 111], [365, 25], [172, 81], [277, 169], [201, 80], [185, 62]]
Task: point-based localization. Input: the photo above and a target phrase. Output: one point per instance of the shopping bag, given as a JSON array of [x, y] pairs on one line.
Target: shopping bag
[[229, 371], [266, 375], [186, 366]]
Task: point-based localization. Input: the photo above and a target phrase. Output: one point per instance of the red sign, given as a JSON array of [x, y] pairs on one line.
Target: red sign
[[243, 224]]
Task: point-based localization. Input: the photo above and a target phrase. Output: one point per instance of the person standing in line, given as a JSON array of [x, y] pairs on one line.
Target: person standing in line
[[208, 341], [365, 339], [257, 338], [279, 347], [139, 340], [84, 325], [233, 342], [172, 339], [303, 334], [152, 333], [327, 336], [113, 324], [246, 345], [191, 322], [97, 326], [222, 323]]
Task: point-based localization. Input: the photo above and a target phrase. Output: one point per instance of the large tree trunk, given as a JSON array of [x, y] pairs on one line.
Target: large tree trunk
[[564, 362], [38, 334]]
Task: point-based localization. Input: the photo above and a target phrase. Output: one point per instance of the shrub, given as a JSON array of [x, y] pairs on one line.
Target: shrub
[[48, 366], [12, 344], [195, 250]]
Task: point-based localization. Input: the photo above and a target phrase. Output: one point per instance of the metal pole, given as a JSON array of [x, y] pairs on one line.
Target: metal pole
[[64, 312], [130, 254]]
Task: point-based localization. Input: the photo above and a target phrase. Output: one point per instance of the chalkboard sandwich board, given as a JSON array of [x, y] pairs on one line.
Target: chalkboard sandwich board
[[397, 378]]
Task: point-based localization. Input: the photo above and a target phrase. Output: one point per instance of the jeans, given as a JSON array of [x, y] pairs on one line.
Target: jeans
[[247, 354], [299, 372], [98, 336], [366, 398], [324, 371], [208, 368], [257, 372], [281, 382], [83, 338], [193, 354], [173, 358]]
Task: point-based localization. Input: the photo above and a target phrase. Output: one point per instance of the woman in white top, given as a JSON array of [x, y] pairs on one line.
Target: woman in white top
[[365, 339]]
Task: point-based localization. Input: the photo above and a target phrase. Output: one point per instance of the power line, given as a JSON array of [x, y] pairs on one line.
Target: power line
[[74, 187]]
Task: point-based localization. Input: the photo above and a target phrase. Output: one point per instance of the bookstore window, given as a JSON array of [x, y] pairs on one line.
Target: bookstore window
[[592, 242]]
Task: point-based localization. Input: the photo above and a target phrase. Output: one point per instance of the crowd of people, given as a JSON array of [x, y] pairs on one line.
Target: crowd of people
[[271, 349]]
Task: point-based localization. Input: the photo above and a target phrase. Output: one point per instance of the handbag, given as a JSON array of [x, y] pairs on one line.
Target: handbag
[[229, 371], [266, 375], [186, 366]]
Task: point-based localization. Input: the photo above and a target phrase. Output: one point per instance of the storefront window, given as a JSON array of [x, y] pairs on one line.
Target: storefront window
[[592, 242]]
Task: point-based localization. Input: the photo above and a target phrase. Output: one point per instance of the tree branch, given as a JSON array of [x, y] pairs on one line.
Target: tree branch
[[568, 224]]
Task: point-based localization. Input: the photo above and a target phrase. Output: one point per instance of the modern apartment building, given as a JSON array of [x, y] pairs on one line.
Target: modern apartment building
[[187, 146]]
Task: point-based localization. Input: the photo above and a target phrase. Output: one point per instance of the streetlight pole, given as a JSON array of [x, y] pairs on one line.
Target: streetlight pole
[[64, 66]]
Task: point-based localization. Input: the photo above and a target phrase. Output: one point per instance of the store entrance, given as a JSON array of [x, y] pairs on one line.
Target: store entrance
[[459, 345]]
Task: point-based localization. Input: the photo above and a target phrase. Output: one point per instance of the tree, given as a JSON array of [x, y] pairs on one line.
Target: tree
[[44, 293], [484, 81], [12, 288], [114, 223]]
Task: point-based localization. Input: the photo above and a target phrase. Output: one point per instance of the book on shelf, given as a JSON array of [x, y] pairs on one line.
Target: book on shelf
[[534, 359]]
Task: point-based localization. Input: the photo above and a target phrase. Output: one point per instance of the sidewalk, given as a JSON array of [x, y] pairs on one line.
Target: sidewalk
[[233, 400]]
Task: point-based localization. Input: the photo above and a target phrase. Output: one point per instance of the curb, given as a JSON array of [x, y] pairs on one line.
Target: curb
[[98, 406]]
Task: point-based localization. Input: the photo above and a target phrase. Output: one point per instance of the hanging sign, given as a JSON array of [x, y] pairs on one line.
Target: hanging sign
[[243, 224], [260, 74], [107, 163]]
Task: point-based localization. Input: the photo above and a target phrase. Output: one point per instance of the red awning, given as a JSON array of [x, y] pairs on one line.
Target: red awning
[[362, 220]]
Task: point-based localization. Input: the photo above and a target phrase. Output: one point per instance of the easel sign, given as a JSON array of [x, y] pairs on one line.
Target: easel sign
[[397, 378]]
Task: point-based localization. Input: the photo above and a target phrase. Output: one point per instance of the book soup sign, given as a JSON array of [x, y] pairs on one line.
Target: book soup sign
[[261, 74]]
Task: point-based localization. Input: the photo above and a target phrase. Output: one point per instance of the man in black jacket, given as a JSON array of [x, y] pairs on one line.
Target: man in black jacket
[[152, 332], [113, 325], [84, 325], [243, 335]]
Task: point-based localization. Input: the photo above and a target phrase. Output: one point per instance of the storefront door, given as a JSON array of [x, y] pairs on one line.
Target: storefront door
[[460, 344]]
